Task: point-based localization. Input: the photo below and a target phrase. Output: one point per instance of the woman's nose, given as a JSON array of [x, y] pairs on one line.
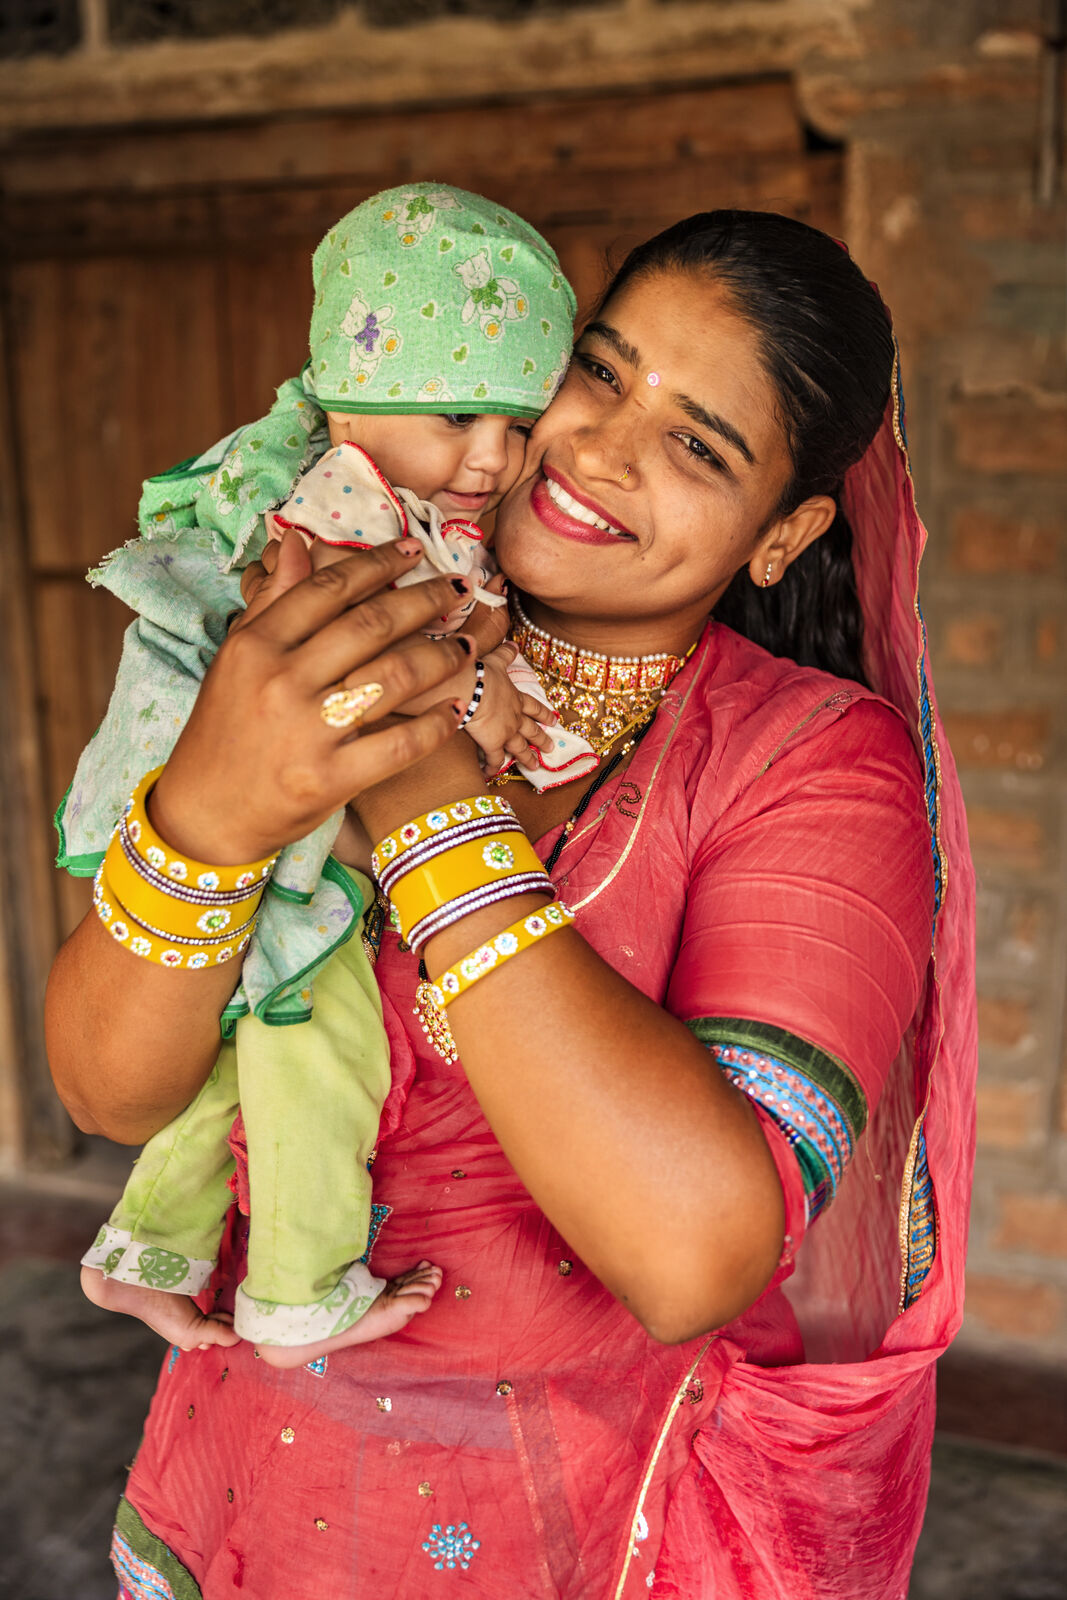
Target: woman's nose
[[605, 449]]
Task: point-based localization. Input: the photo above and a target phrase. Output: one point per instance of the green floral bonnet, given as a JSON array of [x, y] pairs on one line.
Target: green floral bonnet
[[428, 298]]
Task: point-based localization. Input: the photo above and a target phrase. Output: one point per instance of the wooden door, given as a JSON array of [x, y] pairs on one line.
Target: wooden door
[[157, 289]]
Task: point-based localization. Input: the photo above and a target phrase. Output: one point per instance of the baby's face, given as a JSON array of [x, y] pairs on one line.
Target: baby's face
[[464, 465]]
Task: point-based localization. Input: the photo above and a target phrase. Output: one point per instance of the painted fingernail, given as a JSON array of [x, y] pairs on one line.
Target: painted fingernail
[[465, 644], [409, 547], [460, 585]]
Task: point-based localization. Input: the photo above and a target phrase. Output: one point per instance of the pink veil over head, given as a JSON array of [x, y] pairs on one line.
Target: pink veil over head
[[820, 1471]]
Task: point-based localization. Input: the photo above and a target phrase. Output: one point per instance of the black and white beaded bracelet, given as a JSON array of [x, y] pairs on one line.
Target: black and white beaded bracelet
[[476, 697]]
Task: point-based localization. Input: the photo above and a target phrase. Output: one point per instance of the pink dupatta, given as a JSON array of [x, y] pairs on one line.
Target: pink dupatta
[[816, 1475]]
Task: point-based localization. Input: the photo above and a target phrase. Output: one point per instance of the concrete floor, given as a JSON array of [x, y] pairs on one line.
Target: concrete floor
[[75, 1384]]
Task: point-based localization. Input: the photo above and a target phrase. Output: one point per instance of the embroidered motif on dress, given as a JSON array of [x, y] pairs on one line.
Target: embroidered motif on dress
[[452, 1546], [631, 795], [317, 1367], [378, 1214], [922, 1225], [814, 1124], [374, 920], [139, 1579], [174, 1354]]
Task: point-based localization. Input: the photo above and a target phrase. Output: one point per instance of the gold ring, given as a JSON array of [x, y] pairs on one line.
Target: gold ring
[[342, 707]]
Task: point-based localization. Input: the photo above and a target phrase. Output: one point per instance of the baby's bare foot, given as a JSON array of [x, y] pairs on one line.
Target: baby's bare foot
[[402, 1298], [174, 1316]]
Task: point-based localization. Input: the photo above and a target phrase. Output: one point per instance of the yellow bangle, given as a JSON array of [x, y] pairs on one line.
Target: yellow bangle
[[154, 902], [462, 870], [180, 869], [437, 821], [169, 908], [529, 930], [156, 945]]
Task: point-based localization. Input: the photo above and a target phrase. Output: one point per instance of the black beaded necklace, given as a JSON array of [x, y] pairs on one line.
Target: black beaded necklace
[[600, 778]]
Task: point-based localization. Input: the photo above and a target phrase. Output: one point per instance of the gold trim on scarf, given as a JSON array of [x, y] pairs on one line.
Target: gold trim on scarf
[[908, 1179], [898, 431], [646, 1482]]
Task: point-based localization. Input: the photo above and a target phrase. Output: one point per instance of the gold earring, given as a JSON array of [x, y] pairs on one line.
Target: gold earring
[[767, 575]]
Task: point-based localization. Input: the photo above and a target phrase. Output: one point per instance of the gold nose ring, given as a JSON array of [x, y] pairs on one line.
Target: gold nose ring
[[626, 474]]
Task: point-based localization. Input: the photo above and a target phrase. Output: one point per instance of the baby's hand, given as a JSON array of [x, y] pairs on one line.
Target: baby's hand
[[507, 722]]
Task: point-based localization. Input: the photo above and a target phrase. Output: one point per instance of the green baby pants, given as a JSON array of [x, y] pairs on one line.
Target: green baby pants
[[311, 1096]]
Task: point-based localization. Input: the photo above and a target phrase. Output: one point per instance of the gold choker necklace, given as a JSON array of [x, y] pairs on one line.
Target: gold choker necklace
[[600, 697]]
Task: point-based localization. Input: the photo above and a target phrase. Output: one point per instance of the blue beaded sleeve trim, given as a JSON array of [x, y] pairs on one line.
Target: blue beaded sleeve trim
[[813, 1097]]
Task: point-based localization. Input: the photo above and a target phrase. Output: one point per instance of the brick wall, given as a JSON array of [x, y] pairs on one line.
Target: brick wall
[[939, 110]]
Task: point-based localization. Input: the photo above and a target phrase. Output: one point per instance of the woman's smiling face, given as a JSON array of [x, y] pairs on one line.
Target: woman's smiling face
[[668, 383]]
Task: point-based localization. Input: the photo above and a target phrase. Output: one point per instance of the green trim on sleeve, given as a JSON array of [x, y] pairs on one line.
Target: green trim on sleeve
[[269, 1010], [191, 467], [78, 866], [813, 1097], [293, 897], [147, 1547], [830, 1073]]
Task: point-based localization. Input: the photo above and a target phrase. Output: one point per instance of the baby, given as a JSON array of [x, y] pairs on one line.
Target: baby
[[441, 327]]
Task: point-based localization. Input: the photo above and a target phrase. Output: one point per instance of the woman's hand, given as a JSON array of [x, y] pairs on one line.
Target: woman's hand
[[131, 1043], [256, 766]]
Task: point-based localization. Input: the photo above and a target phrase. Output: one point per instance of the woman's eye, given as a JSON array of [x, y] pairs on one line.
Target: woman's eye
[[596, 369], [459, 419], [700, 451]]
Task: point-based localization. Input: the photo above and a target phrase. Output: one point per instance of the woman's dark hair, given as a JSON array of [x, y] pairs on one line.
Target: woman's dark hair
[[826, 344]]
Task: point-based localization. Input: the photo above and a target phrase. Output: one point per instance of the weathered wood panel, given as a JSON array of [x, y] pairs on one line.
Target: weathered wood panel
[[117, 371], [78, 632], [667, 127], [258, 217], [267, 309], [32, 1124]]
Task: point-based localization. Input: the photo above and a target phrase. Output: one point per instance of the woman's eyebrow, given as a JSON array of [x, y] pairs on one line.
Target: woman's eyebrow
[[717, 424], [622, 347]]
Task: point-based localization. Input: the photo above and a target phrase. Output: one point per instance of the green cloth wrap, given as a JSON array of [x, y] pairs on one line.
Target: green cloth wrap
[[202, 522], [180, 577]]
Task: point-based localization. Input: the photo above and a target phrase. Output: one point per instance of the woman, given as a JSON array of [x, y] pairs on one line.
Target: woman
[[613, 1394]]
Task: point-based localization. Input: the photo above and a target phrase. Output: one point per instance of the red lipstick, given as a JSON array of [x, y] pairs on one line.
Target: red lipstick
[[570, 527]]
